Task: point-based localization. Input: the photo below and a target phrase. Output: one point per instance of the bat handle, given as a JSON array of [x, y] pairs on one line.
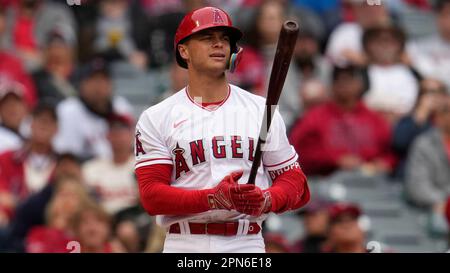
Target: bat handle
[[256, 164]]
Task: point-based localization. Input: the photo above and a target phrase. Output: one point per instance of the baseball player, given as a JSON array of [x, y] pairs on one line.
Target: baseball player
[[194, 150]]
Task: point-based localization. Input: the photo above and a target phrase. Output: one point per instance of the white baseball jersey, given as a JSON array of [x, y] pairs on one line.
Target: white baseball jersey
[[204, 145]]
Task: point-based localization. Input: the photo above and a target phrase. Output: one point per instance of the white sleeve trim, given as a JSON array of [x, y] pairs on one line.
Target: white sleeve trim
[[153, 161], [282, 164]]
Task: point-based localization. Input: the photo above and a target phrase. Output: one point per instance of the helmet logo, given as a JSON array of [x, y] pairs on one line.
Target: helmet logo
[[217, 17]]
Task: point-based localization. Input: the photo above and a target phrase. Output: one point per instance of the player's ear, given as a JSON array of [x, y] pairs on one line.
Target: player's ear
[[184, 53]]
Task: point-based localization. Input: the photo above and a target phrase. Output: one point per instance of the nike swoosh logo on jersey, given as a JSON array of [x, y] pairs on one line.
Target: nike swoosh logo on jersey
[[176, 124]]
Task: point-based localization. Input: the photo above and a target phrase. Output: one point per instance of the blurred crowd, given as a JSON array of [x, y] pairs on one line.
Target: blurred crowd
[[368, 90]]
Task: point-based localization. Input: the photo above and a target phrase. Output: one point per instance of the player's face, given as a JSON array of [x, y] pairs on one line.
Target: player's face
[[207, 51]]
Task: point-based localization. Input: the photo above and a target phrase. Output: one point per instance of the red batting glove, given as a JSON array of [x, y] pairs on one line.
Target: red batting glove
[[230, 195], [262, 203]]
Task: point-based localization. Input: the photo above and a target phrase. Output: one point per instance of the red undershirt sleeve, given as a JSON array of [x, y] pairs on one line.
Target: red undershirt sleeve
[[158, 197], [289, 190]]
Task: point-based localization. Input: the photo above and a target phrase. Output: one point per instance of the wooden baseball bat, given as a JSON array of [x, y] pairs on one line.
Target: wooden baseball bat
[[280, 67]]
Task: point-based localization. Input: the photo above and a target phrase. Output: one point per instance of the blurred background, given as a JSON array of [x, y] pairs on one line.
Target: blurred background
[[366, 103]]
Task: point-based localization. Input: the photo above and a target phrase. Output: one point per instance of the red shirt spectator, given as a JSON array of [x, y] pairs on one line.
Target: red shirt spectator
[[43, 239], [328, 132], [342, 133]]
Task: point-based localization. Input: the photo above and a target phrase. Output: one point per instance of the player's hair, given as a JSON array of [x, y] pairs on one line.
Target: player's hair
[[439, 5]]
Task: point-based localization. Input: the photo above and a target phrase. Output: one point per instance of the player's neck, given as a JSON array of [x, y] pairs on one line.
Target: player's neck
[[210, 89]]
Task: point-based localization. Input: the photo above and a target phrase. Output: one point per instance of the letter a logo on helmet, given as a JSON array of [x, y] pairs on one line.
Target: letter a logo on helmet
[[201, 19], [217, 18]]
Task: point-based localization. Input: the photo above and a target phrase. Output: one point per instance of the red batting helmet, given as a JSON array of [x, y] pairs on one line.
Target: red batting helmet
[[201, 19]]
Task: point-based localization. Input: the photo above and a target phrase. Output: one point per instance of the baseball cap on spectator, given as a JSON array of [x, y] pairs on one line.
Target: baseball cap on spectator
[[56, 36], [10, 87], [314, 206], [339, 210], [97, 65]]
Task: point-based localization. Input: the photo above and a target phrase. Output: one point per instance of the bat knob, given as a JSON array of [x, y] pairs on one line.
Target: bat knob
[[290, 26]]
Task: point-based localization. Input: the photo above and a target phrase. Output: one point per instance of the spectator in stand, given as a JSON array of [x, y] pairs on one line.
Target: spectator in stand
[[327, 10], [344, 232], [315, 221], [345, 42], [276, 243], [92, 229], [307, 57], [312, 93], [11, 67], [86, 135], [178, 79], [29, 169], [133, 228], [66, 202], [392, 85], [13, 111], [128, 235], [164, 17], [428, 163], [154, 8], [30, 22], [418, 121], [343, 134], [121, 33], [263, 37], [112, 179], [53, 80], [431, 55], [155, 241], [31, 212]]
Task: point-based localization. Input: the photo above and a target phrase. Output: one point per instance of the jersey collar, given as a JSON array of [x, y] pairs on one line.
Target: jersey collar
[[208, 108]]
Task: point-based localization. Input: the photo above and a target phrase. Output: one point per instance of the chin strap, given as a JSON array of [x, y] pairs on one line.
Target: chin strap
[[235, 59]]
